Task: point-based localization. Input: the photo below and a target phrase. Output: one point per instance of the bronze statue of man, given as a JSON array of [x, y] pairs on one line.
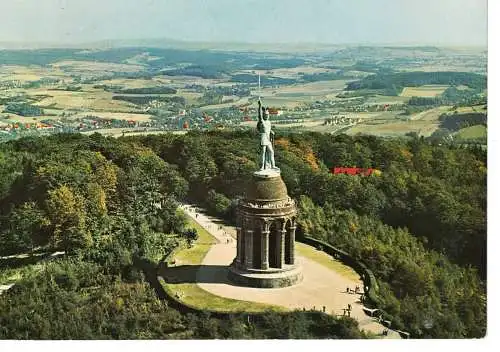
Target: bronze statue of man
[[266, 139]]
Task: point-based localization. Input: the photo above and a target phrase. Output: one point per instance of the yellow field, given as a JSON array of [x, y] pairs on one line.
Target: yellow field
[[91, 66], [423, 128], [131, 83], [181, 81], [292, 72], [29, 74], [88, 101], [13, 118], [445, 67], [468, 109], [386, 99], [430, 115], [427, 91], [313, 88]]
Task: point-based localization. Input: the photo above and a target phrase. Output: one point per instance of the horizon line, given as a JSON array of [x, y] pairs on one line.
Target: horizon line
[[169, 41]]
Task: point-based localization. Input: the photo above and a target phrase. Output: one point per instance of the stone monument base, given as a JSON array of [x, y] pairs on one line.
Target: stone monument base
[[267, 173], [289, 275]]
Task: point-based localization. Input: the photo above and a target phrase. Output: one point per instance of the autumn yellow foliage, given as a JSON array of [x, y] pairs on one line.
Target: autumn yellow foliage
[[305, 152]]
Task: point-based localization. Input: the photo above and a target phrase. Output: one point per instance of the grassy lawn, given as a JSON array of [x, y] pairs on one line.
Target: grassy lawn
[[194, 296], [473, 132], [15, 268], [197, 252], [326, 260], [8, 276]]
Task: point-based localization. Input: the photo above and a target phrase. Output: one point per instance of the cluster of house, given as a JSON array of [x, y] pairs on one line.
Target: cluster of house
[[26, 126], [83, 124], [355, 171], [341, 120], [96, 123]]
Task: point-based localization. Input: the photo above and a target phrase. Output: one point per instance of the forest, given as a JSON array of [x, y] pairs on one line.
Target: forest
[[456, 122], [23, 109], [420, 226], [96, 199], [393, 83]]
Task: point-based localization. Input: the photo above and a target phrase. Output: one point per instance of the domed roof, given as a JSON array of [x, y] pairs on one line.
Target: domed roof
[[266, 189]]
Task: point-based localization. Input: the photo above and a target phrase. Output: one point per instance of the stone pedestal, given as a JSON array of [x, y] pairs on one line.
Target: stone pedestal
[[266, 235]]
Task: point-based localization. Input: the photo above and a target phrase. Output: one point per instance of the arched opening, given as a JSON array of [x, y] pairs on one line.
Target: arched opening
[[274, 254]]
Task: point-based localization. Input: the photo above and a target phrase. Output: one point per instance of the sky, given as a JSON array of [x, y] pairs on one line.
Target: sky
[[442, 22]]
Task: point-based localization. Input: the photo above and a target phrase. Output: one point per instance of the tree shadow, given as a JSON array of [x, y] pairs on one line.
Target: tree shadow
[[209, 274], [13, 262]]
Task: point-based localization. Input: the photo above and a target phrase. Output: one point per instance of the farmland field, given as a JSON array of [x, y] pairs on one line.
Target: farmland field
[[314, 88], [13, 118], [132, 83], [400, 128], [82, 100], [99, 67], [427, 91], [292, 72], [30, 73], [469, 109], [71, 90], [473, 132], [430, 115], [387, 99]]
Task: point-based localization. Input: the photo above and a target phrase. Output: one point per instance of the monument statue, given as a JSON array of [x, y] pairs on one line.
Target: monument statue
[[266, 140], [266, 218]]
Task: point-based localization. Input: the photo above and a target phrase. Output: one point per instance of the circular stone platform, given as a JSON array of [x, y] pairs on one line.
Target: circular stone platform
[[271, 278]]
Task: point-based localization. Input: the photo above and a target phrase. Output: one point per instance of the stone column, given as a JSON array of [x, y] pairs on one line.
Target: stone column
[[248, 248], [265, 249], [291, 238], [281, 247], [239, 241]]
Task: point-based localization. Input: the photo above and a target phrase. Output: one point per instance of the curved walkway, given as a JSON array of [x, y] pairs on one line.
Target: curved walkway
[[321, 289]]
